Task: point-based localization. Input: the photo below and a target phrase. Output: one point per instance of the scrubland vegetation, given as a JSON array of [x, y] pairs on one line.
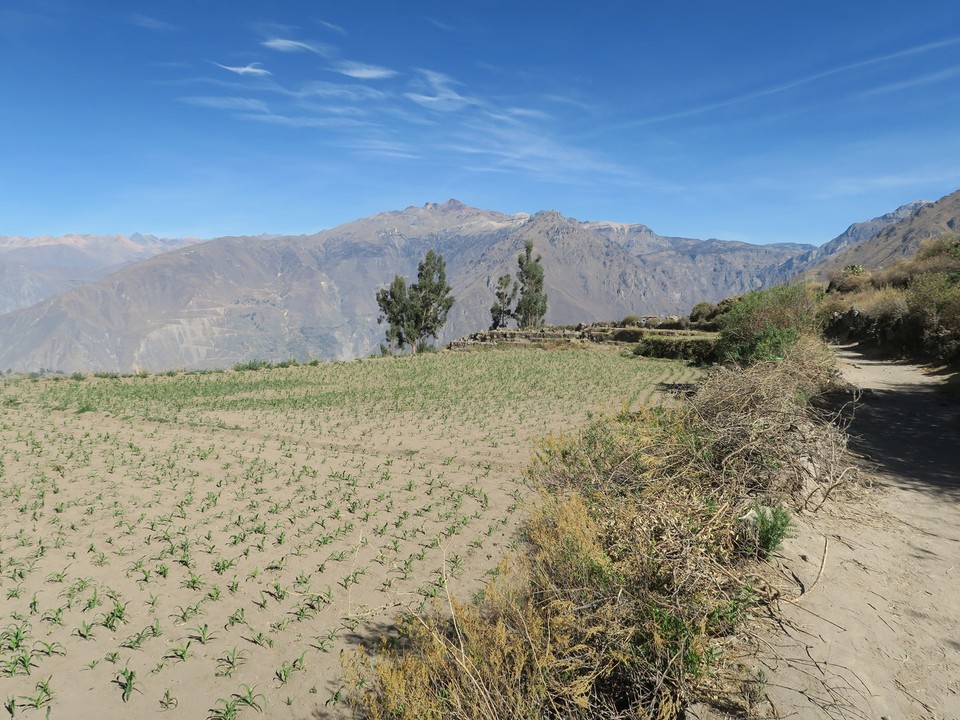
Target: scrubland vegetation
[[640, 561], [912, 307], [202, 545]]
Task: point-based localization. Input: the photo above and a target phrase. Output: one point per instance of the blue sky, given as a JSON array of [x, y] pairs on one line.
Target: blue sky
[[756, 120]]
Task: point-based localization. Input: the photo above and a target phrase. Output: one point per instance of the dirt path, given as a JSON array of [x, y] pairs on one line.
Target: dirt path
[[871, 626]]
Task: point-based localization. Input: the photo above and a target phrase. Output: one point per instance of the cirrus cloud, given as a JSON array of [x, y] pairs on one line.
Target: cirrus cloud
[[251, 69], [293, 46], [362, 71]]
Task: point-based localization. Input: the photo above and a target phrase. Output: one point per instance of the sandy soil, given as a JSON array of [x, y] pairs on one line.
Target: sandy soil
[[206, 544], [871, 625]]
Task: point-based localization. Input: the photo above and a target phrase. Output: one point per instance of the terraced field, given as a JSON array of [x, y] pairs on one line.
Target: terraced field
[[202, 545]]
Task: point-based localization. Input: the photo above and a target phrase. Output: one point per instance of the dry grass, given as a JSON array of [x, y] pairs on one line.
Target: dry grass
[[911, 308], [636, 566]]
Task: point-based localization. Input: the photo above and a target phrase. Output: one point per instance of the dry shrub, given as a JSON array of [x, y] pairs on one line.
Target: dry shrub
[[765, 433], [886, 304], [547, 636], [897, 275], [942, 247], [845, 281], [830, 305], [634, 568]]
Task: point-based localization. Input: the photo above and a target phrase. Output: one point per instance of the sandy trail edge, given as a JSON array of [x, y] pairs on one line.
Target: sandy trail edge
[[874, 629]]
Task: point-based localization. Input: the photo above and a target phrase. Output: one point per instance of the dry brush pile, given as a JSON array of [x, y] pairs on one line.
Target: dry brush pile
[[637, 568]]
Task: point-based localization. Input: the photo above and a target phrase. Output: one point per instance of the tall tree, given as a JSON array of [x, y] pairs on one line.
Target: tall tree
[[532, 306], [419, 311], [502, 310]]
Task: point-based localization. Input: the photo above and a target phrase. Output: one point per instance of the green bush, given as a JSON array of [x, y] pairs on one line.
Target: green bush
[[631, 334], [701, 311], [253, 365], [701, 350], [763, 324], [933, 301], [771, 526]]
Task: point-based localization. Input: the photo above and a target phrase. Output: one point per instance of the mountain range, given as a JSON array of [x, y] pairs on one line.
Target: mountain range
[[211, 304], [33, 269], [896, 241]]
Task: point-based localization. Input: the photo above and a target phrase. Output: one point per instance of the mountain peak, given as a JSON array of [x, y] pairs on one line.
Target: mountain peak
[[908, 209], [451, 204], [550, 215]]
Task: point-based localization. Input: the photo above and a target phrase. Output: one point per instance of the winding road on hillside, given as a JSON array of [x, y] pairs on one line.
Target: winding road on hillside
[[872, 627]]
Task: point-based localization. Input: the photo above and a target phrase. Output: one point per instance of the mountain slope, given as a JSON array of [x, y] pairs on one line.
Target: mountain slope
[[239, 298], [898, 240], [855, 234], [33, 269]]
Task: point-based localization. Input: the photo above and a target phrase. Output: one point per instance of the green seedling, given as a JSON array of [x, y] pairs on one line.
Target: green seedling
[[179, 652], [202, 634], [127, 680], [168, 701], [230, 661]]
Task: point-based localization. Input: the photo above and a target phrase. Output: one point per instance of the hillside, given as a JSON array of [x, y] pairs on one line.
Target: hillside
[[896, 241], [857, 233], [34, 269], [239, 298]]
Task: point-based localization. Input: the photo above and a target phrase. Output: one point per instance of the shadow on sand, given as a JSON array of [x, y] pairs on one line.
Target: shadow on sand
[[909, 432]]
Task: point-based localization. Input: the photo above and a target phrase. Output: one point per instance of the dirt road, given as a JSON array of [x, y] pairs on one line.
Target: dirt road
[[871, 628]]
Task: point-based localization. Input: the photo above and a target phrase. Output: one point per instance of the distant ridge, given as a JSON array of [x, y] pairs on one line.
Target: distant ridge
[[898, 240], [810, 262], [234, 299], [34, 269]]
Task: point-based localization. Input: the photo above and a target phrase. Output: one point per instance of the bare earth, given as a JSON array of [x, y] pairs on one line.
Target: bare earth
[[205, 544], [871, 626]]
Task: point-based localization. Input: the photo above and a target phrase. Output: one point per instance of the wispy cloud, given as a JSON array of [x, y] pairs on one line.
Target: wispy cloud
[[442, 25], [150, 23], [362, 71], [227, 103], [437, 93], [292, 46], [792, 84], [521, 113], [532, 152], [847, 186], [570, 101], [930, 79], [508, 134], [251, 69], [351, 92], [385, 149], [304, 121], [330, 26]]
